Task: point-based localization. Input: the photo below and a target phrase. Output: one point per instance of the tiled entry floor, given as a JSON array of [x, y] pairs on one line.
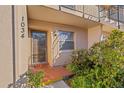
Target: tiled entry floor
[[52, 73]]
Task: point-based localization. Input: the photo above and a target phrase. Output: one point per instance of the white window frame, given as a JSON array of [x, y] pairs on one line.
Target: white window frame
[[69, 50]]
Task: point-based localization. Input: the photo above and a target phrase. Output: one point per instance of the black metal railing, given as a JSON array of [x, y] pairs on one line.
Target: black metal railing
[[82, 9], [114, 12]]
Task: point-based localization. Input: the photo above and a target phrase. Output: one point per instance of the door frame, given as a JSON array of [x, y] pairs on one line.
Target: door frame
[[35, 30]]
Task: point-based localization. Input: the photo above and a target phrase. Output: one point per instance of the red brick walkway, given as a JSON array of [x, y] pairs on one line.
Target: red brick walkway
[[52, 73]]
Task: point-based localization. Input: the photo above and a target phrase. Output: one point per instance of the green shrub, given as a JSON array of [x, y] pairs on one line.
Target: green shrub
[[35, 78], [73, 67], [80, 61], [102, 65]]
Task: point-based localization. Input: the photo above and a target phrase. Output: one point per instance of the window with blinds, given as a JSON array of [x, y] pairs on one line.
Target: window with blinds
[[66, 40]]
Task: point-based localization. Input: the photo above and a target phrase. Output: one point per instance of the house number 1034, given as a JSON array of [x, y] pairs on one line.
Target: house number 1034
[[22, 27]]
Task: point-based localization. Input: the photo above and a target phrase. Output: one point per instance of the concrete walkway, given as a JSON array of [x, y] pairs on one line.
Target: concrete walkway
[[58, 84]]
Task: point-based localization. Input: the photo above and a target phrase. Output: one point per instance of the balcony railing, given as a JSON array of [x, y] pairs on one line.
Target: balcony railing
[[113, 15], [114, 12], [88, 11]]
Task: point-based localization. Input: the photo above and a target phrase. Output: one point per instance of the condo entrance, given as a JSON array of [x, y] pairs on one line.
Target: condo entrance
[[39, 47]]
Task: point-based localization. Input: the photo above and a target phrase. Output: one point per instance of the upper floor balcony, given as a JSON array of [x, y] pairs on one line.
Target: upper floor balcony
[[112, 15]]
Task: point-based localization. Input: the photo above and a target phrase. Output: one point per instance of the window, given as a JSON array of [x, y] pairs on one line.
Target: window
[[69, 6], [66, 40]]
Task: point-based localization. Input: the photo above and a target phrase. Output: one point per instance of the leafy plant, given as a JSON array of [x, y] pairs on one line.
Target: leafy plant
[[73, 67], [102, 65], [35, 78], [80, 61]]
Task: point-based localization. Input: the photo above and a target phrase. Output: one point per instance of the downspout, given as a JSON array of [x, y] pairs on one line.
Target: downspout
[[13, 46]]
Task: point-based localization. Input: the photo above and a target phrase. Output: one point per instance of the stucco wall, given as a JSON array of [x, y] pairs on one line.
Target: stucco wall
[[22, 46], [80, 38], [80, 41], [107, 28], [6, 66], [22, 43], [94, 35]]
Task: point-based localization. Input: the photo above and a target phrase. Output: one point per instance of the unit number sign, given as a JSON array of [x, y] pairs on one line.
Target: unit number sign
[[22, 27]]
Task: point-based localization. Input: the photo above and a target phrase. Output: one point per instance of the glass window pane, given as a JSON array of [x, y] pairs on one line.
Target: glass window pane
[[66, 40], [67, 45], [63, 36]]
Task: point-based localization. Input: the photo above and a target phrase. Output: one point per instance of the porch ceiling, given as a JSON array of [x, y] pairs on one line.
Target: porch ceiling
[[43, 13]]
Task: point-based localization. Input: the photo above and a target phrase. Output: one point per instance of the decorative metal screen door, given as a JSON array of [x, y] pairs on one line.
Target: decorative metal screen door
[[39, 46]]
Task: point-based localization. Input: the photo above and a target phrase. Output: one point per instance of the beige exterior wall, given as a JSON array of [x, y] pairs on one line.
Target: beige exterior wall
[[80, 38], [6, 67], [106, 28], [53, 6], [80, 41], [94, 35], [21, 45]]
